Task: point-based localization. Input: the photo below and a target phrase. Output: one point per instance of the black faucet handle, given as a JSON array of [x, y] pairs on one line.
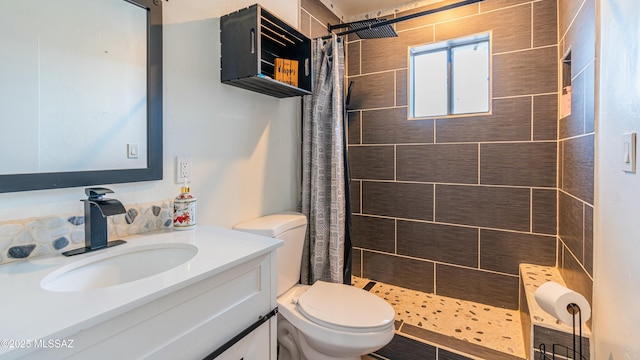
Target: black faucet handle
[[97, 193]]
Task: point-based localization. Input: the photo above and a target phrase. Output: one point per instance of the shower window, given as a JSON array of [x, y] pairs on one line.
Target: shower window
[[450, 77]]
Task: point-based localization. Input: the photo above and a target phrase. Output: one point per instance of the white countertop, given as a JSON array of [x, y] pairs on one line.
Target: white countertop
[[28, 312]]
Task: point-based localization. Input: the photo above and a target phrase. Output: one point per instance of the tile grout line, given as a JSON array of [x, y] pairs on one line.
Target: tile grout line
[[436, 262], [435, 278], [360, 117], [361, 262], [395, 162], [584, 103], [459, 184], [532, 116], [581, 265], [361, 185], [531, 210], [395, 88], [531, 29], [395, 236], [523, 95], [584, 222], [494, 142], [435, 133], [479, 267], [434, 203], [452, 224], [479, 160], [360, 57]]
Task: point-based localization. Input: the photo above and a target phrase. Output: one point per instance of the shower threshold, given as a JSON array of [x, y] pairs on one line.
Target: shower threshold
[[457, 327]]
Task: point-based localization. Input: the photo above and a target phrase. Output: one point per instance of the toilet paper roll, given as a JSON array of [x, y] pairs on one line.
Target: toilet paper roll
[[554, 299]]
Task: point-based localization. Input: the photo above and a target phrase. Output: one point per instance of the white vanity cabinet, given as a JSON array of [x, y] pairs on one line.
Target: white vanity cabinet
[[190, 322]]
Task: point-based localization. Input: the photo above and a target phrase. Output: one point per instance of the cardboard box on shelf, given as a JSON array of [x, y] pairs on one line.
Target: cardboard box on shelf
[[286, 70]]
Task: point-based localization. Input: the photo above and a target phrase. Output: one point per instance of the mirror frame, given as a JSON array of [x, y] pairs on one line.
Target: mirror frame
[[153, 171]]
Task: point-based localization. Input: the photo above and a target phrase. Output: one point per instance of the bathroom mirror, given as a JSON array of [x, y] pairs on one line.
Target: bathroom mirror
[[80, 93]]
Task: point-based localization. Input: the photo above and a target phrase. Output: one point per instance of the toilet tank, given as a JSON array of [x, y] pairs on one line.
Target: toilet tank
[[289, 227]]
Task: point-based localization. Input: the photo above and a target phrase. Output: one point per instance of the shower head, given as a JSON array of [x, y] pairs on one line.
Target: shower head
[[381, 28], [367, 29]]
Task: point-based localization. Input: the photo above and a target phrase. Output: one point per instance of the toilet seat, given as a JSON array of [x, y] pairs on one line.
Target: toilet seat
[[344, 307]]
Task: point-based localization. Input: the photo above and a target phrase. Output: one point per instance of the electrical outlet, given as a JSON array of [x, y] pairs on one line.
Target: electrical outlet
[[183, 169]]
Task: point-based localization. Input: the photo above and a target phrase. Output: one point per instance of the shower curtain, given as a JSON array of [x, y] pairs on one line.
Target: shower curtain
[[327, 250]]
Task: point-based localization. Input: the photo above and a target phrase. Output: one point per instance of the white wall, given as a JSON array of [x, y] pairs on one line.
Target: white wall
[[616, 318], [244, 145]]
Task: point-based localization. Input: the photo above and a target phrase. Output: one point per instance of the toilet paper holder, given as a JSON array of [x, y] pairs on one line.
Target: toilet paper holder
[[575, 312]]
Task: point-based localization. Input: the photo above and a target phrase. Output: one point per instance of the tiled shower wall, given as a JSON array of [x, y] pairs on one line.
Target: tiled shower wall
[[314, 17], [452, 205], [576, 148]]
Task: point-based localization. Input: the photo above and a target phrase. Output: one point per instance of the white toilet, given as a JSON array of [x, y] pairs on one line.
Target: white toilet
[[326, 320]]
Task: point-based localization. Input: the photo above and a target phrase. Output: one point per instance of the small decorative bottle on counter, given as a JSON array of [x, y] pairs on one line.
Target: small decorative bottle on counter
[[184, 209]]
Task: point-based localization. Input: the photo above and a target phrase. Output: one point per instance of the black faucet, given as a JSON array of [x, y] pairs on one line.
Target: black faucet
[[96, 210]]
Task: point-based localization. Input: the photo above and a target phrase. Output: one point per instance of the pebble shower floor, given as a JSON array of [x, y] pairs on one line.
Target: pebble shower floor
[[491, 327]]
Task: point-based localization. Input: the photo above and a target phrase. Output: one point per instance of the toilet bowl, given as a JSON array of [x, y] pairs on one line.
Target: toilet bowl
[[352, 322], [324, 321]]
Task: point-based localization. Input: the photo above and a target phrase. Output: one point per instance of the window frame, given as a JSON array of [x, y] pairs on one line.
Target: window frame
[[447, 46]]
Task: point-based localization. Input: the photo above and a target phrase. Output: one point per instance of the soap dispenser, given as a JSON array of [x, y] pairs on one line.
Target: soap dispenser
[[184, 209]]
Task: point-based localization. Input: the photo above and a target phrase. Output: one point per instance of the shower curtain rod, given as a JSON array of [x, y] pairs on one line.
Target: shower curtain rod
[[393, 21]]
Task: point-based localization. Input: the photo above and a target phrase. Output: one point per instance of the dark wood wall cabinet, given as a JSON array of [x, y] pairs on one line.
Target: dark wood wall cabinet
[[251, 41]]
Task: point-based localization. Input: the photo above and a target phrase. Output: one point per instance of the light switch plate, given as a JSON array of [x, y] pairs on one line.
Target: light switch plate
[[629, 152], [132, 151]]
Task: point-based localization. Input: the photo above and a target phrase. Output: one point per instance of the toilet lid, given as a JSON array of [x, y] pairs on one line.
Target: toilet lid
[[339, 305]]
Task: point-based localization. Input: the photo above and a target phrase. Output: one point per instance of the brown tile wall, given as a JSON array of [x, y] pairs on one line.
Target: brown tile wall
[[314, 17], [576, 147], [549, 337], [452, 205]]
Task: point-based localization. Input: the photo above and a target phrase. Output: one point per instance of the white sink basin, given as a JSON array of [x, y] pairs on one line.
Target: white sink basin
[[119, 266]]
